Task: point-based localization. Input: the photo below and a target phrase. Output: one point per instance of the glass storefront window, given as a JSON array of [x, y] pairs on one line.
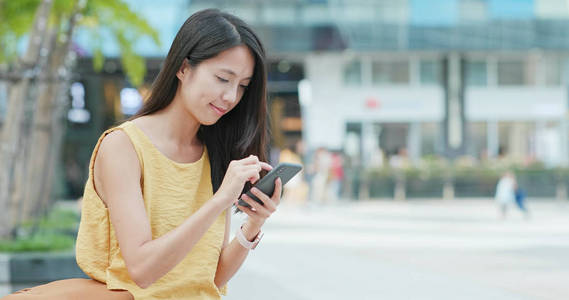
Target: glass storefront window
[[353, 73], [430, 138], [511, 72], [430, 72], [477, 144], [476, 73], [517, 141], [393, 137], [552, 71], [390, 72], [564, 65]]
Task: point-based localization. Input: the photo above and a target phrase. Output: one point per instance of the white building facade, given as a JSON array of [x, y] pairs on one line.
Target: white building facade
[[514, 105]]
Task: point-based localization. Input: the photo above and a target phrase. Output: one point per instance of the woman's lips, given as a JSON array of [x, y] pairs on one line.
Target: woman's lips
[[218, 110]]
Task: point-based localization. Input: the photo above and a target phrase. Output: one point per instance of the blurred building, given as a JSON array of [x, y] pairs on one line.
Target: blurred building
[[482, 78]]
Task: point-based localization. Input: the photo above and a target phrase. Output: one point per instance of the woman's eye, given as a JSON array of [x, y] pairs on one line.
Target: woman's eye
[[244, 86], [222, 79]]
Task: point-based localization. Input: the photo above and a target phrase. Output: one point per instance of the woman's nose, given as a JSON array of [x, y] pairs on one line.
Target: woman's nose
[[231, 94]]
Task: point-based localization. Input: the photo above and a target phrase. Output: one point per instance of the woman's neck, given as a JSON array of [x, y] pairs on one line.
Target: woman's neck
[[176, 125]]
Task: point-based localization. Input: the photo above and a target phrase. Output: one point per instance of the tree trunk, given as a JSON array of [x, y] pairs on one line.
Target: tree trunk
[[57, 133], [12, 128], [46, 132], [39, 135]]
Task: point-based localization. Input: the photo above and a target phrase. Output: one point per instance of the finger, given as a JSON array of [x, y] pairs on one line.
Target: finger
[[247, 210], [269, 204], [254, 168], [251, 214], [254, 179], [251, 159], [265, 166], [250, 202], [258, 208], [278, 191], [251, 172]]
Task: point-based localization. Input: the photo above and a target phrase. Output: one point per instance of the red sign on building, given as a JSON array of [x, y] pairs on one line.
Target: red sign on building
[[372, 103]]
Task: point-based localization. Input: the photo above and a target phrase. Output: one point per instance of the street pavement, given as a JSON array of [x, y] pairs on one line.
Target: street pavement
[[416, 249]]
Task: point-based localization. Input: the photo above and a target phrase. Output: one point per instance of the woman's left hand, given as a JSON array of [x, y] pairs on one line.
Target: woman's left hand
[[258, 213]]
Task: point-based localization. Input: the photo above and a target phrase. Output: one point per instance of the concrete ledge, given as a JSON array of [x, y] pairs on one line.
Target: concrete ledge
[[4, 267], [5, 286], [22, 270]]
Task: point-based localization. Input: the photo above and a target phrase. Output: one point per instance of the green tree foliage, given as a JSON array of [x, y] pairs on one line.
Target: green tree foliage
[[113, 18], [126, 27], [16, 18]]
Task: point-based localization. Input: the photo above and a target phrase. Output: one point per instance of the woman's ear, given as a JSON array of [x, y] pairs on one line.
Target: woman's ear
[[184, 70]]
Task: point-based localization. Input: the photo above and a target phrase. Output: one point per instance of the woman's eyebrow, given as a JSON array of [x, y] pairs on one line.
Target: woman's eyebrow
[[232, 73]]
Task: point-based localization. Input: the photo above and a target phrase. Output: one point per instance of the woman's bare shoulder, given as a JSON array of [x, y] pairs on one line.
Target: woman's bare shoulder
[[116, 144], [116, 161]]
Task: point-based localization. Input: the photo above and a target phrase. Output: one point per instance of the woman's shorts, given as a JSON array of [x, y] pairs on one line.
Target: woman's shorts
[[70, 289]]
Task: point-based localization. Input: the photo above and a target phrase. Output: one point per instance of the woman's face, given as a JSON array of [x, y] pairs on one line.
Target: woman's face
[[215, 86]]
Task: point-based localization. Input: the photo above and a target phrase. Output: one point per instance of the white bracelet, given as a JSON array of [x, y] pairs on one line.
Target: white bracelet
[[246, 243]]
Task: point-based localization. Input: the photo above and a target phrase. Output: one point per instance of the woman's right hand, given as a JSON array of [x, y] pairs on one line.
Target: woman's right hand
[[239, 172]]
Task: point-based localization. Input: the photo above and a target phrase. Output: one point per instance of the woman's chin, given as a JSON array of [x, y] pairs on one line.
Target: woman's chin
[[209, 121]]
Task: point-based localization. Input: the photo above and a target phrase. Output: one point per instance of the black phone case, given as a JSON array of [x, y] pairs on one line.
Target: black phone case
[[267, 184]]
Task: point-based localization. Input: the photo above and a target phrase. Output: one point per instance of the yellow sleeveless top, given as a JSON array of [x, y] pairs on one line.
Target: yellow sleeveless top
[[172, 192]]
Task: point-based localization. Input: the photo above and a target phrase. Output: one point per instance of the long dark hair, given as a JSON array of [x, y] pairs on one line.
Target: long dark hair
[[243, 130]]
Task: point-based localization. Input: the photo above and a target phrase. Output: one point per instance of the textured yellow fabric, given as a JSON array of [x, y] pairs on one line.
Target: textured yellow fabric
[[172, 192]]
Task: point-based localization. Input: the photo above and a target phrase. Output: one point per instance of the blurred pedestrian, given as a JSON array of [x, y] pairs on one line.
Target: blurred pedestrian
[[321, 168], [520, 196], [296, 189], [336, 176], [505, 193], [400, 159]]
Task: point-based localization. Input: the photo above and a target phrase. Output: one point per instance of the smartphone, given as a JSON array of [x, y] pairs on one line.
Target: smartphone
[[267, 184]]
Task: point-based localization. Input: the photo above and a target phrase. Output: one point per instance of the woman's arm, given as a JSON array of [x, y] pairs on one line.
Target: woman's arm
[[233, 255], [117, 178]]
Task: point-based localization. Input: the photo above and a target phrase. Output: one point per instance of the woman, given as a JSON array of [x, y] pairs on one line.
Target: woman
[[505, 192], [167, 178], [156, 207]]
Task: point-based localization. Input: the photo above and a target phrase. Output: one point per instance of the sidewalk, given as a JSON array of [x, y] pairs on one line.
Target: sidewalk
[[428, 249]]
